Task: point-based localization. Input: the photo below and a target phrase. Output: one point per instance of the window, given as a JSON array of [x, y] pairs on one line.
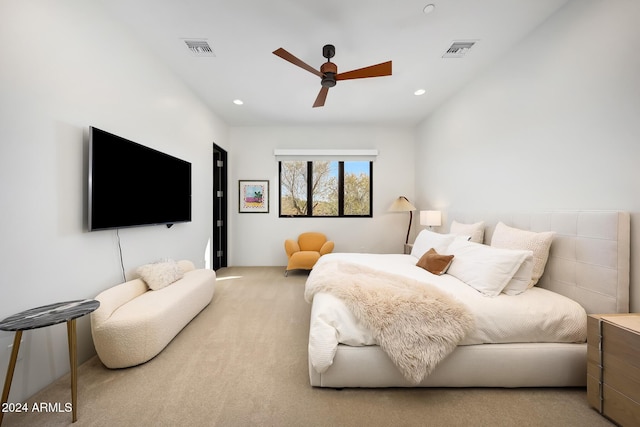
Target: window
[[325, 188]]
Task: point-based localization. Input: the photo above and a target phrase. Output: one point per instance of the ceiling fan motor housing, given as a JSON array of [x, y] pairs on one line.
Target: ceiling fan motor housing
[[329, 69], [329, 80]]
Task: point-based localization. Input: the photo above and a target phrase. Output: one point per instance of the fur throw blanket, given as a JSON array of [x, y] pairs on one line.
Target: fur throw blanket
[[416, 324]]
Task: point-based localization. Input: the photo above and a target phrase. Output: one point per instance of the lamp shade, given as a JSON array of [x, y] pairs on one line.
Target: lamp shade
[[401, 204], [431, 218]]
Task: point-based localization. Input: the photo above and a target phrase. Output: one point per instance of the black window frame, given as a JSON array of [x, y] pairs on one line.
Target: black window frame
[[309, 213]]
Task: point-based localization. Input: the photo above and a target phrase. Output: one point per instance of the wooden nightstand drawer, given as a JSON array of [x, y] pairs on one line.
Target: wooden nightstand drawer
[[621, 360], [620, 408], [593, 343], [593, 392], [624, 343], [613, 366]]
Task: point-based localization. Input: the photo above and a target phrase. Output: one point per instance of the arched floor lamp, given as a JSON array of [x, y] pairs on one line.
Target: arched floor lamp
[[402, 204]]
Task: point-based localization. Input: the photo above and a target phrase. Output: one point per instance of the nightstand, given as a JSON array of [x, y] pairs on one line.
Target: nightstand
[[407, 248], [613, 366]]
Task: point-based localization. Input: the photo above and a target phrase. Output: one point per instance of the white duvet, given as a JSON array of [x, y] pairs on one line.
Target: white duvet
[[537, 315]]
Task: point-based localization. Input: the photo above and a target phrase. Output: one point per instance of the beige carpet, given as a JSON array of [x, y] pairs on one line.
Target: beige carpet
[[243, 362]]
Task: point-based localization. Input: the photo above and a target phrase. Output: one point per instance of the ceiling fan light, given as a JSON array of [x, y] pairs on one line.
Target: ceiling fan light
[[329, 80]]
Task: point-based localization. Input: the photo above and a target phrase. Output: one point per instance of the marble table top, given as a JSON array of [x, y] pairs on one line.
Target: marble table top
[[48, 315]]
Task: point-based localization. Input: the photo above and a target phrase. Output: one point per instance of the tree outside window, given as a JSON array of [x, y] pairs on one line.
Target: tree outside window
[[325, 188]]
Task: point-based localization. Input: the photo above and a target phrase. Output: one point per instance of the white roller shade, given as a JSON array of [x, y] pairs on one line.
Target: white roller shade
[[313, 154]]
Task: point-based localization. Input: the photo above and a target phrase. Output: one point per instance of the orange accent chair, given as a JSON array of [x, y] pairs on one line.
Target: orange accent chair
[[304, 253]]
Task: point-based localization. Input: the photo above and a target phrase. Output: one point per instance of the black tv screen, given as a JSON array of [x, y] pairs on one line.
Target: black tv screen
[[133, 185]]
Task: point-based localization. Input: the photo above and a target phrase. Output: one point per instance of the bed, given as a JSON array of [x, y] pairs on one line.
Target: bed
[[587, 271]]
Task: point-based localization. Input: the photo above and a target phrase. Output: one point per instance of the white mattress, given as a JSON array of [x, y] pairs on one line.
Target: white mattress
[[537, 315]]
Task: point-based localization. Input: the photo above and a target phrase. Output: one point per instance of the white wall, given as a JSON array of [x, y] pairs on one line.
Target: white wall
[[66, 66], [258, 239], [554, 125]]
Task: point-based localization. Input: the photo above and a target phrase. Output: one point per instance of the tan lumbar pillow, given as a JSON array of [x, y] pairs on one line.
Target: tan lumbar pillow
[[435, 263]]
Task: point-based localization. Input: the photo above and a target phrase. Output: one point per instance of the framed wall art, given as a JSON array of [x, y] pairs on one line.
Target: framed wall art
[[254, 196]]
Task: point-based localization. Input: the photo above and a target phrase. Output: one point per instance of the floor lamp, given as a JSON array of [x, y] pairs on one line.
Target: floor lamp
[[402, 204]]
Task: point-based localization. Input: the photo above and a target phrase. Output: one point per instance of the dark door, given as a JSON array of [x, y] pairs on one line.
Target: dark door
[[219, 252]]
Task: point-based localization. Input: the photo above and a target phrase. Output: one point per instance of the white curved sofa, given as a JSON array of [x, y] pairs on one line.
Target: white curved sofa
[[133, 323]]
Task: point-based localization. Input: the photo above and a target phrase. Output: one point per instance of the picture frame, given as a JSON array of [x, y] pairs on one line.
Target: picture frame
[[253, 196]]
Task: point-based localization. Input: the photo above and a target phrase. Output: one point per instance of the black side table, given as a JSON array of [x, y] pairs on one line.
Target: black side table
[[41, 317]]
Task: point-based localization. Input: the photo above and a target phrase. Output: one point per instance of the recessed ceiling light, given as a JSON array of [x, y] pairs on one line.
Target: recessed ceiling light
[[238, 101], [429, 8], [419, 92]]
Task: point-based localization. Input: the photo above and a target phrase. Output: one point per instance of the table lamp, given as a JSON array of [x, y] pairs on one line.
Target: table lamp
[[431, 218]]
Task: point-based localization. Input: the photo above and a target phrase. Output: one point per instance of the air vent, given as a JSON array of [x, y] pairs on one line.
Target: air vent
[[199, 47], [458, 49]]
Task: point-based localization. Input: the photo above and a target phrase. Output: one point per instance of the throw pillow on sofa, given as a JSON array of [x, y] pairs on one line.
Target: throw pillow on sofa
[[160, 274]]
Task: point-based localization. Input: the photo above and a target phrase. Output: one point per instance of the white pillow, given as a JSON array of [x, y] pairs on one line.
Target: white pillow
[[514, 238], [429, 239], [476, 231], [486, 269], [520, 281], [160, 274]]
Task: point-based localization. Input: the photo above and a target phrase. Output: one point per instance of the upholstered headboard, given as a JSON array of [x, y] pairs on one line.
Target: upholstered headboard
[[589, 257]]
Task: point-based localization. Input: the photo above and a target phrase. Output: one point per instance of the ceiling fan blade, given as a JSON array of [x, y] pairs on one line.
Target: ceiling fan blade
[[322, 96], [296, 61], [378, 70]]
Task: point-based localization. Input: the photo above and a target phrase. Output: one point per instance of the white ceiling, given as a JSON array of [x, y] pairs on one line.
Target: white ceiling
[[244, 33]]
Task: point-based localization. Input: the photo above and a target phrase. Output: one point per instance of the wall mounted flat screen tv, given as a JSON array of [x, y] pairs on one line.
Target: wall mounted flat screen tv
[[133, 185]]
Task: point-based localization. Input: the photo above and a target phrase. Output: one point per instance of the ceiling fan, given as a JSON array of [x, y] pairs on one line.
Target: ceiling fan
[[329, 71]]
